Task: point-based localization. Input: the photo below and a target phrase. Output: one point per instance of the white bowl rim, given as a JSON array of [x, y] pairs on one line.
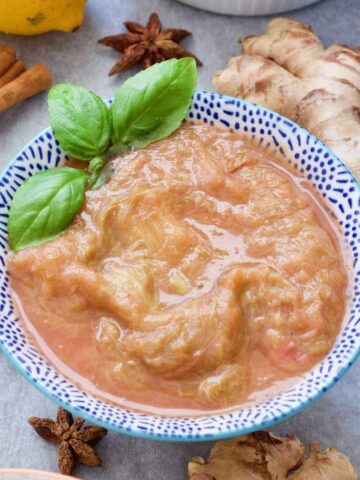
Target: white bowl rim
[[243, 8]]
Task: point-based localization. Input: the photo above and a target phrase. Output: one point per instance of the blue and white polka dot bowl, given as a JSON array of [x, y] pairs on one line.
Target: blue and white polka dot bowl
[[306, 155]]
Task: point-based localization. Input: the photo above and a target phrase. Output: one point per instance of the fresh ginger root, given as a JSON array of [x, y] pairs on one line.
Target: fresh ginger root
[[257, 456], [288, 70], [327, 465], [264, 456]]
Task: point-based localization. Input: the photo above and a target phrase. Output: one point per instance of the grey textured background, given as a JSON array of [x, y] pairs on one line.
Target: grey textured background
[[334, 419]]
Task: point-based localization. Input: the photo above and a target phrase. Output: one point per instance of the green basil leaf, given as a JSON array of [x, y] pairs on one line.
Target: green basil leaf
[[96, 167], [117, 150], [101, 177], [96, 164], [152, 104], [80, 120], [44, 206]]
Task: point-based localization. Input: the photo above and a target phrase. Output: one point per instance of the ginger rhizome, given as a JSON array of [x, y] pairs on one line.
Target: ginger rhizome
[[288, 70], [265, 456]]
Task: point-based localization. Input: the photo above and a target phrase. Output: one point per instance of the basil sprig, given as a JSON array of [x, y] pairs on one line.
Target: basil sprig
[[147, 107], [80, 121], [45, 205]]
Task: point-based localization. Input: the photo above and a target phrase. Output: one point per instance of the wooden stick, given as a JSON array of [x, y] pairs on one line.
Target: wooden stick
[[7, 58], [28, 84], [14, 71]]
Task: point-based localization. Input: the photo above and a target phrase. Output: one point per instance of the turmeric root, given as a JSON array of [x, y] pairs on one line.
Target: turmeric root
[[288, 70], [264, 456]]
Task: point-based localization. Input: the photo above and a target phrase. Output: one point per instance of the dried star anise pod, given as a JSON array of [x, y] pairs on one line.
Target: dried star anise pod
[[75, 442], [147, 43]]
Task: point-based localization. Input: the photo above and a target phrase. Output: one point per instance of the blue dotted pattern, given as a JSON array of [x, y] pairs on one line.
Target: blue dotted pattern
[[304, 153]]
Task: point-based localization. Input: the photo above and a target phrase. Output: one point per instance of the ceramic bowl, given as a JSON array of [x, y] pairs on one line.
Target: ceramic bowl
[[304, 153], [19, 474], [249, 7]]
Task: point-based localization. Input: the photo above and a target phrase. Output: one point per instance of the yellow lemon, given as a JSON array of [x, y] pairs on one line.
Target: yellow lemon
[[31, 17]]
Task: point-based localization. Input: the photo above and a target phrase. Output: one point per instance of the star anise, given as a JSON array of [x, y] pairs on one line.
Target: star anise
[[147, 43], [75, 442]]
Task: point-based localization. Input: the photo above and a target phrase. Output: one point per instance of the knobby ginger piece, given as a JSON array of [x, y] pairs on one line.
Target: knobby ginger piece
[[257, 456], [264, 456], [288, 70], [338, 62], [327, 465], [336, 125], [257, 79], [288, 42], [304, 55]]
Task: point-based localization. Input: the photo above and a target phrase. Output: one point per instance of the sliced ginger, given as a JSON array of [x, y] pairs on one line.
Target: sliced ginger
[[288, 70], [265, 456]]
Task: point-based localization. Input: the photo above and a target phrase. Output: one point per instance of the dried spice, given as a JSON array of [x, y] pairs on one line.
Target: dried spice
[[75, 442], [16, 82], [147, 43]]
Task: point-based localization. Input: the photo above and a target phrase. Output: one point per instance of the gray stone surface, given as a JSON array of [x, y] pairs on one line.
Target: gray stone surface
[[76, 57]]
